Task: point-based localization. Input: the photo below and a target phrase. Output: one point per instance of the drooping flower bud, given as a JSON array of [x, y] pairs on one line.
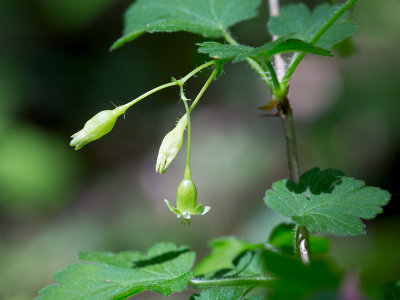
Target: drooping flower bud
[[171, 145], [186, 201], [96, 127]]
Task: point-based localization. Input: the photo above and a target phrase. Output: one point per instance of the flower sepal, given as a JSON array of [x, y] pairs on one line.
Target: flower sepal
[[187, 215]]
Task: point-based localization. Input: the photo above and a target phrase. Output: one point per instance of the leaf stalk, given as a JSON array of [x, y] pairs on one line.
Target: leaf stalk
[[236, 281]]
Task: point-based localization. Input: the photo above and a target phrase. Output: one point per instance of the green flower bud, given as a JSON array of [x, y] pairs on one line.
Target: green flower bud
[[171, 145], [96, 127], [186, 196], [186, 201]]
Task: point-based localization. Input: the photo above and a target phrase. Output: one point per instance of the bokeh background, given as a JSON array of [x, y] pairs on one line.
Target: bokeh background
[[56, 72]]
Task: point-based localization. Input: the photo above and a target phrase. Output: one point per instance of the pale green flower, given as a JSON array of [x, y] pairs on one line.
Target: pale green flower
[[96, 127], [171, 145], [186, 201]]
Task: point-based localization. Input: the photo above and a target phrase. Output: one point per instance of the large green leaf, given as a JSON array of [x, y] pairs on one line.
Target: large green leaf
[[296, 21], [209, 18], [327, 201], [294, 280], [266, 51], [164, 269]]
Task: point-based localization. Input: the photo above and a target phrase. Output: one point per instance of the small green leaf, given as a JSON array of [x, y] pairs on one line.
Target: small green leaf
[[164, 269], [224, 251], [283, 239], [226, 293], [241, 52], [209, 18], [327, 201], [296, 21]]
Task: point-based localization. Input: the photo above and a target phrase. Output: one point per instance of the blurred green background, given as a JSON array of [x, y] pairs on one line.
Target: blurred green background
[[56, 72]]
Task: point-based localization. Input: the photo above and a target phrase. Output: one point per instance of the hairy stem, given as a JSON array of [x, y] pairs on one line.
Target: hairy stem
[[141, 97], [167, 85], [204, 283], [198, 69], [205, 87], [252, 62]]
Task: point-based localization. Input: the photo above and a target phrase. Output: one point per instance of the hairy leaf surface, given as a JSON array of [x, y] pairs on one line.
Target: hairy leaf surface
[[209, 18], [296, 21], [164, 269], [241, 52], [327, 201]]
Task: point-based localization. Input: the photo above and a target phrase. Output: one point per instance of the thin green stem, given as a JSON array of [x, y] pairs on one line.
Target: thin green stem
[[277, 85], [204, 283], [299, 56], [198, 69], [188, 172], [251, 61], [204, 88], [136, 100], [124, 107], [333, 19]]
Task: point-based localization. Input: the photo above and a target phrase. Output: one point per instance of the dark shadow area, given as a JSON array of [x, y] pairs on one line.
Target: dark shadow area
[[159, 259], [317, 182]]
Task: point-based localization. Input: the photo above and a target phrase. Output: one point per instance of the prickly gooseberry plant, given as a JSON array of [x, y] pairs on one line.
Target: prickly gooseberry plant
[[318, 201]]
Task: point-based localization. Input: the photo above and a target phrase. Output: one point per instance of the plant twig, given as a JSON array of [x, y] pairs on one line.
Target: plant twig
[[286, 115]]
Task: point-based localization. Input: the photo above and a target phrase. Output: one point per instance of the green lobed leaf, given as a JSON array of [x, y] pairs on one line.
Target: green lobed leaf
[[283, 239], [241, 52], [226, 293], [224, 251], [287, 277], [327, 201], [164, 269], [296, 21], [294, 280], [209, 18]]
